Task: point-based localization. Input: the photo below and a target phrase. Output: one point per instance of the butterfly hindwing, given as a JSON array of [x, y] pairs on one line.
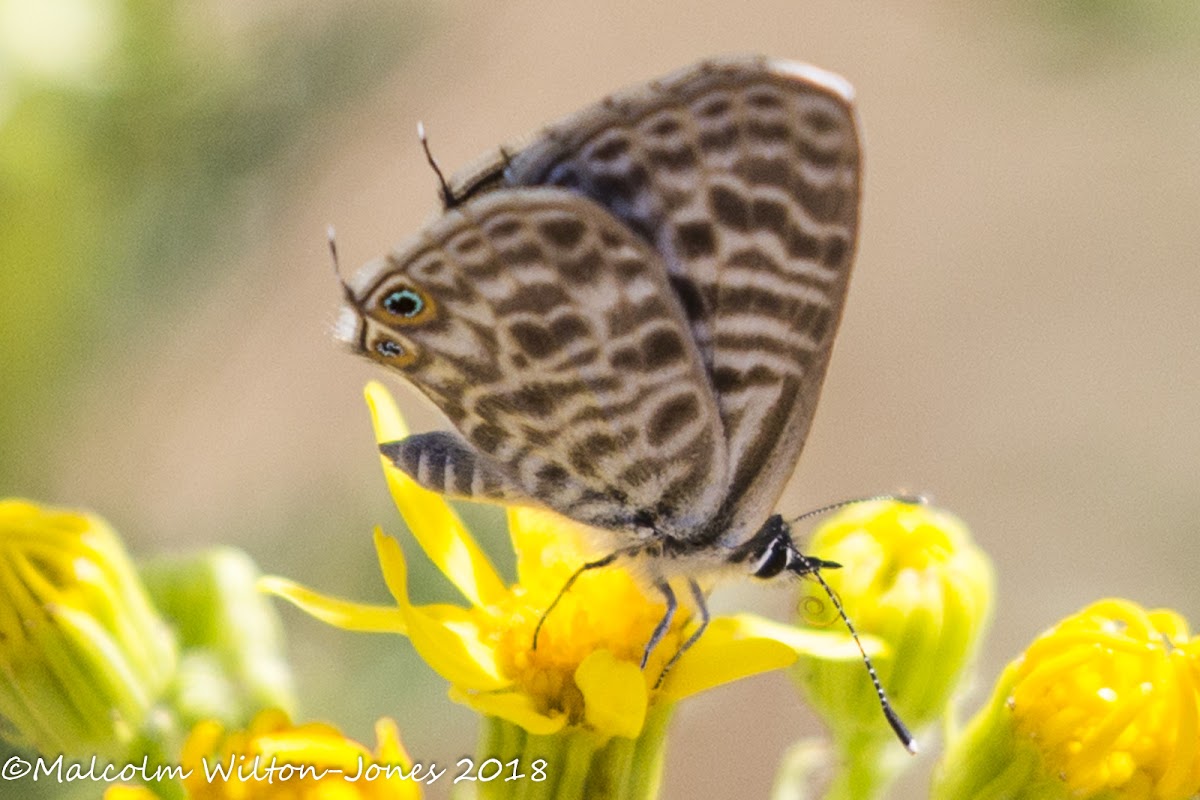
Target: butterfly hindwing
[[743, 174], [547, 332]]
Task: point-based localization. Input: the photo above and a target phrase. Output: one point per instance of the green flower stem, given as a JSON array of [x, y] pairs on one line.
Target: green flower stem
[[650, 755], [576, 764], [868, 764], [578, 751], [988, 761], [161, 744]]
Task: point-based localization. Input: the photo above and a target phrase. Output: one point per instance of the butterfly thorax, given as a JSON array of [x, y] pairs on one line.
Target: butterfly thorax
[[769, 554]]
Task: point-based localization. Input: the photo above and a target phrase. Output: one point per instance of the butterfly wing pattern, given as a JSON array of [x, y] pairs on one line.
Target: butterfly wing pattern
[[744, 175], [739, 181], [628, 317], [547, 332]]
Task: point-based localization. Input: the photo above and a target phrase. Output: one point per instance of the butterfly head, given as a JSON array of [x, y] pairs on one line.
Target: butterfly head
[[771, 552]]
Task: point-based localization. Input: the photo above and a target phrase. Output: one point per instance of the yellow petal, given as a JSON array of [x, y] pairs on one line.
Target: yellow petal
[[334, 611], [614, 694], [515, 707], [446, 637], [743, 645], [451, 644], [545, 543], [385, 414], [389, 746], [829, 645], [129, 793], [311, 744], [433, 523], [390, 751], [393, 566], [532, 537], [1179, 777]]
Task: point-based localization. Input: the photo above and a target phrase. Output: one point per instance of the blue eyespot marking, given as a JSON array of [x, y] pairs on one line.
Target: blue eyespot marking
[[404, 303], [388, 349]]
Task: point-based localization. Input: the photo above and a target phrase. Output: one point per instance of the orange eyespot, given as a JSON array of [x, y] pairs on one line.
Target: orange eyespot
[[404, 304], [392, 353]]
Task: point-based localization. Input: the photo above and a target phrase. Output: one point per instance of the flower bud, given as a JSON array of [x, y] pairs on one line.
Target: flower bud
[[1104, 706], [232, 664], [912, 578], [84, 656]]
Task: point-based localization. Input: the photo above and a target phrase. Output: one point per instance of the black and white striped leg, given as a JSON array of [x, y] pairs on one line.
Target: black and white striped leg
[[603, 562], [702, 607], [663, 624]]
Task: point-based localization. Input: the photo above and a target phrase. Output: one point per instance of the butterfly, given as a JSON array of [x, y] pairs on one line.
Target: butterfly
[[628, 318]]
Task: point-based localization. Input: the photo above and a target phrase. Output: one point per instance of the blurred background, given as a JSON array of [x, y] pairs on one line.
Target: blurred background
[[1021, 339]]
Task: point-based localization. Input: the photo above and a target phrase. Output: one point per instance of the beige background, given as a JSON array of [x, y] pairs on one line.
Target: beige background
[[1020, 340]]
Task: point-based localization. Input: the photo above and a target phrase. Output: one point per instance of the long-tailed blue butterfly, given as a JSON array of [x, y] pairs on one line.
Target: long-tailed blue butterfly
[[628, 318]]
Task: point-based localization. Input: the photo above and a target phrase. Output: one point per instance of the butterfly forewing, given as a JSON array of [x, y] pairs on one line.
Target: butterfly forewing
[[548, 333], [743, 175]]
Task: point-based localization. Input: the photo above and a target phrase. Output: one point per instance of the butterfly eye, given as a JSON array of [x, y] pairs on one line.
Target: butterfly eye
[[404, 303], [773, 560]]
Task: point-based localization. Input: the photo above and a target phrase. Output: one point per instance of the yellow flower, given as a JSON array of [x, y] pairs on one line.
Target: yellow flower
[[83, 654], [584, 673], [1105, 705], [275, 760]]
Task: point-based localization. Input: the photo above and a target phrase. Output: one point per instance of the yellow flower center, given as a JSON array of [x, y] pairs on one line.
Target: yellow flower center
[[1111, 698], [605, 609]]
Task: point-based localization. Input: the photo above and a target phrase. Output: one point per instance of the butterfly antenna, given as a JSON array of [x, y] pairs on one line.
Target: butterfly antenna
[[911, 499], [331, 236], [902, 732], [448, 198]]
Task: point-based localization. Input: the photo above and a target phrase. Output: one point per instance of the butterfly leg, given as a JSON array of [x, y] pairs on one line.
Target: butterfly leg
[[603, 562], [663, 624], [702, 607]]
